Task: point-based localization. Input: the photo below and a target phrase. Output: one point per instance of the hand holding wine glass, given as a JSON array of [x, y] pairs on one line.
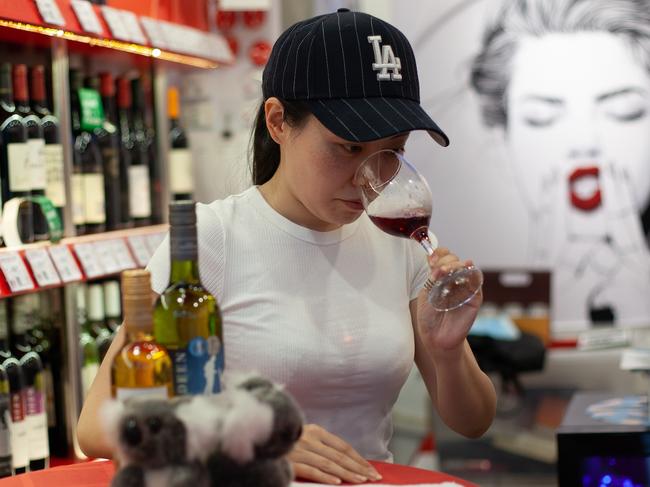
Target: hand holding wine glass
[[398, 200]]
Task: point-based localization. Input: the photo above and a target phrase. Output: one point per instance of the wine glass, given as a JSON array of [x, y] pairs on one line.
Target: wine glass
[[398, 200]]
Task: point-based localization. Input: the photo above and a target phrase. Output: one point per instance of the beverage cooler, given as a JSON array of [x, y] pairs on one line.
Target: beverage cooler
[[89, 136]]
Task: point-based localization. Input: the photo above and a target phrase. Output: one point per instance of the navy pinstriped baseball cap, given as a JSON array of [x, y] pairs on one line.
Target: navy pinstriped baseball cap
[[356, 72]]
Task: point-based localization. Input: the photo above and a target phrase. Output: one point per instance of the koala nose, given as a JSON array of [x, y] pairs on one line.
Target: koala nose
[[155, 424], [132, 434]]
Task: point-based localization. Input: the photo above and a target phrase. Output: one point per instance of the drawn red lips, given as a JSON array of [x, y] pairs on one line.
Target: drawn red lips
[[580, 200]]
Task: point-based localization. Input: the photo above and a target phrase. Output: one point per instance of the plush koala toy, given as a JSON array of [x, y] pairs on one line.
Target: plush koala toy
[[236, 438]]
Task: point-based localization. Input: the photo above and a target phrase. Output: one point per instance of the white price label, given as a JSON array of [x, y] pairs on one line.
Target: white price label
[[65, 263], [115, 21], [42, 267], [89, 260], [86, 16], [154, 240], [154, 32], [122, 254], [140, 250], [15, 272], [104, 252], [50, 12], [130, 22]]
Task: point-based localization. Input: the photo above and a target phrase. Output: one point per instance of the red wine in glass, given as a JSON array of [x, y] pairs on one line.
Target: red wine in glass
[[397, 199], [413, 225]]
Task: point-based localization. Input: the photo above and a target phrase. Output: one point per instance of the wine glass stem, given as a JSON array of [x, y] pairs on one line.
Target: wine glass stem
[[426, 243]]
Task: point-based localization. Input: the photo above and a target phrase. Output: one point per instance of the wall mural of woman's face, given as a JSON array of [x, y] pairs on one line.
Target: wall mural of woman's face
[[578, 102]]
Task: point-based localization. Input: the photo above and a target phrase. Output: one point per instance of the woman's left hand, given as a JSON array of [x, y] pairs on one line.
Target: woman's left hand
[[445, 331]]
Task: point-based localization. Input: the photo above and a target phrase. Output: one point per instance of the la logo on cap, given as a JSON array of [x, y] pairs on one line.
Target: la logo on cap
[[384, 60]]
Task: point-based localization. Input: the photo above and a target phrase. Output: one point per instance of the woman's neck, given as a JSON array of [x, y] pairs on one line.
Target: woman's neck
[[280, 197]]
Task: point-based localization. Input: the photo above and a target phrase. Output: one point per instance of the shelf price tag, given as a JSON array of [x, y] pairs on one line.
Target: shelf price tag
[[107, 260], [50, 12], [15, 272], [89, 261], [131, 24], [65, 263], [122, 254], [154, 240], [115, 21], [155, 32], [86, 16], [42, 267], [140, 250]]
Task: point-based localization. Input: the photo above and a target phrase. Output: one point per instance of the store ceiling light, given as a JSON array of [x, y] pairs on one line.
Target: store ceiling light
[[112, 44]]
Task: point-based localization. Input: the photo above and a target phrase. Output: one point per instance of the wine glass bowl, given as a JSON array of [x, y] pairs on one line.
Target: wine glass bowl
[[398, 200]]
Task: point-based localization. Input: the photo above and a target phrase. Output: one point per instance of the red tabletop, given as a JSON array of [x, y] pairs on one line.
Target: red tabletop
[[99, 474]]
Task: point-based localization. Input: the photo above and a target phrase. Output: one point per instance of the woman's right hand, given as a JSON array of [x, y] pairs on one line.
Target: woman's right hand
[[322, 457]]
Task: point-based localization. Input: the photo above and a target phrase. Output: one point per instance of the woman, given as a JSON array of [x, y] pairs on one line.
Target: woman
[[569, 83], [312, 294]]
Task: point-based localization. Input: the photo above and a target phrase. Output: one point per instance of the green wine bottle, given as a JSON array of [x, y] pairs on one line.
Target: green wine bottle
[[187, 320]]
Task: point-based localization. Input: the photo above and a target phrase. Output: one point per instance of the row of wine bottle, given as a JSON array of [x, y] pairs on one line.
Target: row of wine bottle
[[176, 348], [115, 179]]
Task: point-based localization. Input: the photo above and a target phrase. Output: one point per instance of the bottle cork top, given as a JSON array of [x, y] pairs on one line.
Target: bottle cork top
[[182, 213], [173, 106], [136, 297]]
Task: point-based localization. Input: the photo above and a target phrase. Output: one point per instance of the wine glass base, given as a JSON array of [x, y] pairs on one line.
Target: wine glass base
[[455, 289]]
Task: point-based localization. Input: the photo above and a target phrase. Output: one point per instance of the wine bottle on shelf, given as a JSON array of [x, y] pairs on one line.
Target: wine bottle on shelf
[[5, 425], [88, 174], [25, 314], [47, 342], [53, 150], [108, 139], [139, 183], [11, 365], [187, 320], [143, 367], [109, 102], [89, 355], [15, 180], [112, 305], [35, 167], [181, 175], [97, 319]]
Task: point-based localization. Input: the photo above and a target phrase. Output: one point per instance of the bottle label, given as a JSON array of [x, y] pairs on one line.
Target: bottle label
[[19, 178], [36, 424], [122, 393], [78, 215], [198, 368], [181, 175], [139, 196], [19, 441], [94, 200], [92, 111], [36, 163], [88, 373], [54, 176], [5, 435]]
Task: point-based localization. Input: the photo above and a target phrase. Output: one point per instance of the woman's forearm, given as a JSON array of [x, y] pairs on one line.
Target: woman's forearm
[[465, 396]]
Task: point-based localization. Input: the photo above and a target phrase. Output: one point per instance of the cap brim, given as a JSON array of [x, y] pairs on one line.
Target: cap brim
[[366, 119]]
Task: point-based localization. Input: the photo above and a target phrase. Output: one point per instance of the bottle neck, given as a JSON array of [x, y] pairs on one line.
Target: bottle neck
[[6, 89], [184, 254]]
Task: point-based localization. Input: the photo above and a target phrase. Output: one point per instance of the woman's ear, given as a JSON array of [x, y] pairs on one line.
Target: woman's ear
[[274, 112]]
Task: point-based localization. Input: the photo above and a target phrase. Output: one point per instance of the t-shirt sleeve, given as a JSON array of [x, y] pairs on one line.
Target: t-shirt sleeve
[[159, 266], [211, 241], [418, 270]]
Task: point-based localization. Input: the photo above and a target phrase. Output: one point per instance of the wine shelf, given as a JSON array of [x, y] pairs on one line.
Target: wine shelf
[[44, 265]]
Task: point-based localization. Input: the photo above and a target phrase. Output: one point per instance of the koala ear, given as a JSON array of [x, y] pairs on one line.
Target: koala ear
[[233, 379], [110, 413], [248, 423], [202, 417]]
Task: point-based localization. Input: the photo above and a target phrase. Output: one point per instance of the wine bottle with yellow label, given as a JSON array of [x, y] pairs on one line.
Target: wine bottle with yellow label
[[187, 320], [142, 367]]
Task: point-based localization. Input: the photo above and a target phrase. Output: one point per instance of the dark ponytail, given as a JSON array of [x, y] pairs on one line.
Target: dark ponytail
[[266, 153]]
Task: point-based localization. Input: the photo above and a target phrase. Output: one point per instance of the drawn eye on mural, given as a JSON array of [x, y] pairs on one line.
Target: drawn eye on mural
[[567, 83]]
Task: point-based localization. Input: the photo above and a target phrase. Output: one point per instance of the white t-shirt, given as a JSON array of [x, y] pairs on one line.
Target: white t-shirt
[[324, 313]]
